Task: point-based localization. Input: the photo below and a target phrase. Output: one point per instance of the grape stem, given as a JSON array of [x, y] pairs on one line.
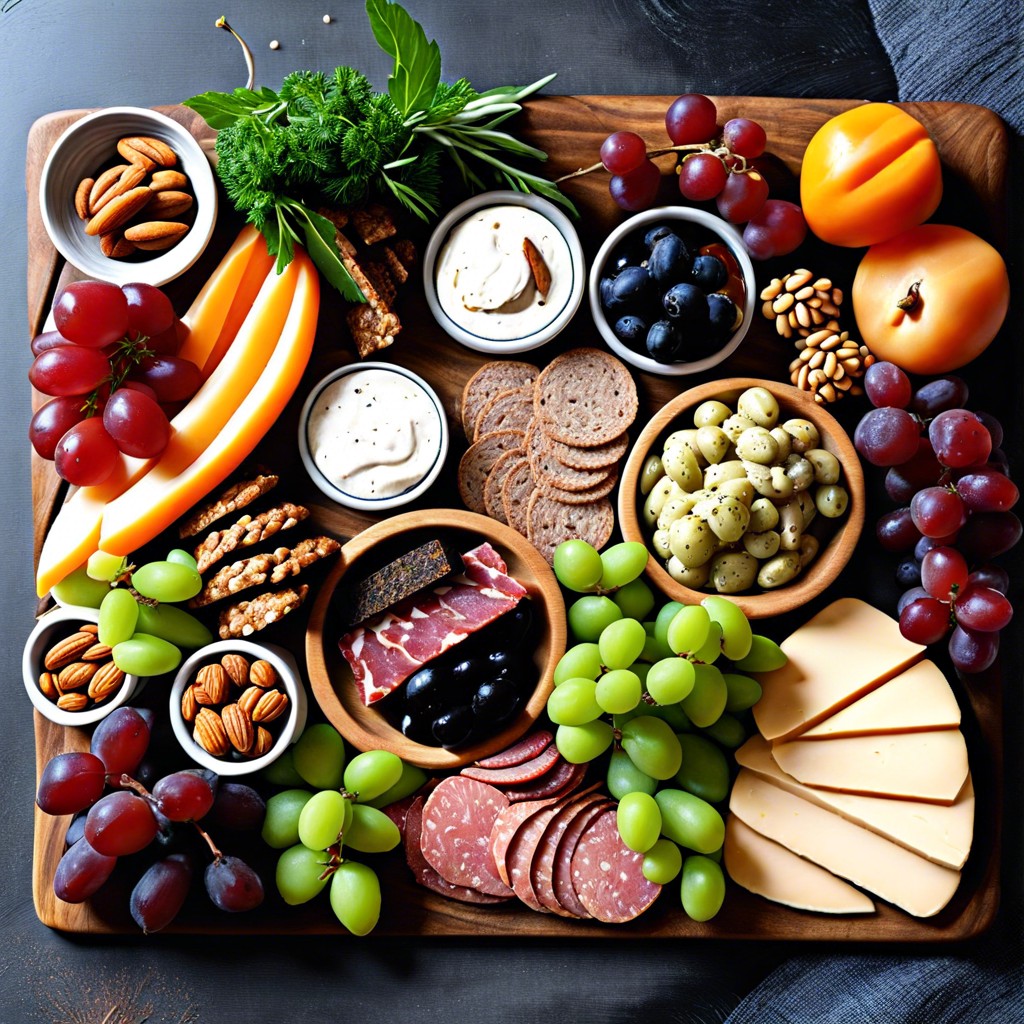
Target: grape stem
[[250, 64], [693, 147], [334, 851], [217, 855]]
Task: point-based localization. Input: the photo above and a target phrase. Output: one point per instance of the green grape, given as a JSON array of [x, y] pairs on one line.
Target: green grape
[[652, 746], [146, 655], [618, 691], [736, 632], [712, 647], [742, 691], [577, 565], [690, 821], [765, 656], [702, 888], [175, 625], [299, 872], [574, 702], [281, 821], [319, 756], [655, 650], [322, 819], [640, 670], [670, 680], [411, 779], [622, 563], [119, 616], [671, 713], [705, 770], [621, 642], [104, 567], [715, 855], [639, 819], [167, 581], [688, 630], [581, 743], [728, 731], [636, 599], [706, 701], [371, 831], [78, 588], [182, 557], [589, 615], [661, 623], [624, 777], [282, 771], [662, 862], [370, 774], [582, 661], [355, 897]]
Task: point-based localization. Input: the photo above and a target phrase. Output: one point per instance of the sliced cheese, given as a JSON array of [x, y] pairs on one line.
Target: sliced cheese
[[764, 867], [168, 491], [916, 700], [891, 872], [928, 766], [942, 834], [846, 650]]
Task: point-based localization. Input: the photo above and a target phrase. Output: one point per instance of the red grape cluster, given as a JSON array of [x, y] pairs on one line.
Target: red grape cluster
[[128, 819], [112, 369], [955, 510], [718, 169]]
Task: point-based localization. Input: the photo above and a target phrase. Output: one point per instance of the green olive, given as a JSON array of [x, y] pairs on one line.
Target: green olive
[[651, 473], [831, 500], [696, 578], [784, 441], [713, 443], [800, 471], [711, 414], [761, 545], [826, 465], [729, 518], [757, 445], [764, 515], [732, 572], [692, 541], [779, 570], [759, 405], [735, 425], [804, 434], [681, 466]]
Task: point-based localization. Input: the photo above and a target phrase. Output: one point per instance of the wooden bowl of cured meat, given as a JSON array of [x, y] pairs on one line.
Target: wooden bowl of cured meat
[[436, 637]]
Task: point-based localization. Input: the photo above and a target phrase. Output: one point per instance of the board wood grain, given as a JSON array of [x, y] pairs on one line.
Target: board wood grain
[[973, 145]]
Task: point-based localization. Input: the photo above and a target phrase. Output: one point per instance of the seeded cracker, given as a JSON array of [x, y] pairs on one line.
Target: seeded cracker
[[547, 470], [247, 531], [496, 478], [551, 522], [498, 375], [477, 463], [601, 490], [602, 457], [237, 496], [507, 410], [248, 617]]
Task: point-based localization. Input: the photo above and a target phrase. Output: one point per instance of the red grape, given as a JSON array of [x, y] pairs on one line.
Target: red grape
[[943, 573], [775, 230], [971, 651], [233, 885], [52, 421], [896, 531], [691, 118], [81, 872], [86, 454], [149, 311], [925, 621], [47, 340], [183, 796], [120, 823], [702, 176], [91, 313], [70, 783], [173, 379], [987, 490], [623, 152], [120, 741], [938, 395], [137, 424], [886, 384], [994, 576], [989, 534], [887, 437], [937, 511], [923, 470], [983, 609], [161, 892], [742, 196], [959, 438], [910, 596], [68, 370], [744, 137], [237, 807], [634, 191], [166, 343], [993, 426], [143, 388]]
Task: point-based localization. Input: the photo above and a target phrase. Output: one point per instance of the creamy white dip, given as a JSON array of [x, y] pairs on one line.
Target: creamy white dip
[[484, 281], [374, 433]]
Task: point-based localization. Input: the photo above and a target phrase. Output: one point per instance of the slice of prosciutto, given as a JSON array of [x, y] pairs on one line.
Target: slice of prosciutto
[[385, 650]]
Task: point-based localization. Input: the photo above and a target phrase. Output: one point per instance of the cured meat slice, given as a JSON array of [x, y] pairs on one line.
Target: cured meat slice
[[561, 876], [489, 556], [385, 650], [424, 873], [457, 821], [542, 869], [560, 781], [399, 811], [517, 774], [505, 826], [519, 753], [607, 875]]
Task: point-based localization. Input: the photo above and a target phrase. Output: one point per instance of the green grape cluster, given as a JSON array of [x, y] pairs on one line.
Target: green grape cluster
[[315, 827], [667, 694], [138, 620]]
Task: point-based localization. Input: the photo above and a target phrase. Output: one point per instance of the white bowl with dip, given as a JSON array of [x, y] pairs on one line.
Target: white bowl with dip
[[373, 436], [479, 283]]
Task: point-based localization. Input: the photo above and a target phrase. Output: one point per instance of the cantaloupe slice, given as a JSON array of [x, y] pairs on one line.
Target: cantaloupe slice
[[168, 491]]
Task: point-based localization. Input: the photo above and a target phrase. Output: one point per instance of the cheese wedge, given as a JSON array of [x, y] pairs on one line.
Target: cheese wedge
[[846, 650], [928, 766], [916, 700], [891, 872], [767, 869], [942, 834]]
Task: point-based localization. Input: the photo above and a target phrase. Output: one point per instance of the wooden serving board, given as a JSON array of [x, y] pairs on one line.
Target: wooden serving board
[[973, 146]]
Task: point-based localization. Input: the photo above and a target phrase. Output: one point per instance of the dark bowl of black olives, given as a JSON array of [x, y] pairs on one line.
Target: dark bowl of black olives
[[672, 290], [479, 695]]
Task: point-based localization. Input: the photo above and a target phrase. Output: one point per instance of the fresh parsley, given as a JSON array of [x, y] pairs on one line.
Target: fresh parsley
[[333, 139]]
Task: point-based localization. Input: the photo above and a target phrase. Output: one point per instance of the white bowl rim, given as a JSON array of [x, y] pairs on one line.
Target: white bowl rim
[[728, 234], [505, 197], [350, 500], [159, 269]]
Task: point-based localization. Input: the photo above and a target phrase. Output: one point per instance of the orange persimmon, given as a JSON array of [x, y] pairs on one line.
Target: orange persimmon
[[931, 299], [868, 174]]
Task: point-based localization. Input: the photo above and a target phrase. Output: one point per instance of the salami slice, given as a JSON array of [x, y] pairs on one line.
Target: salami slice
[[607, 875], [423, 872], [560, 781], [457, 821], [561, 876], [543, 868], [519, 774], [507, 823], [519, 753]]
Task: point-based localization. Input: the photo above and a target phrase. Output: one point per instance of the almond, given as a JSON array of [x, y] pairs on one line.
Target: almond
[[115, 246], [211, 685], [249, 699], [189, 705], [48, 685], [538, 267], [263, 674], [72, 702], [102, 183], [154, 235], [163, 180], [128, 179], [271, 705], [67, 650], [210, 734], [155, 151], [262, 744], [118, 211], [89, 627], [168, 204], [105, 682], [237, 668], [98, 652], [238, 726], [76, 675], [82, 197]]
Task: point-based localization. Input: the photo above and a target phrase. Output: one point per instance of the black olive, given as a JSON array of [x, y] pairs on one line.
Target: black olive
[[670, 260], [453, 727]]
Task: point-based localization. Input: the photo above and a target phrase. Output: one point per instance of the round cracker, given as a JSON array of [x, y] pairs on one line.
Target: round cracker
[[585, 397], [552, 522], [516, 491], [601, 457], [477, 463], [601, 490], [497, 375], [507, 410], [507, 461], [547, 470]]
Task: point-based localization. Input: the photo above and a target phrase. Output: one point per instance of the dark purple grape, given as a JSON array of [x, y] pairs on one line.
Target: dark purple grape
[[638, 189], [887, 437], [70, 782], [630, 330], [959, 439], [663, 342], [233, 885], [651, 237], [994, 576], [722, 314], [911, 595], [631, 286], [973, 652], [121, 740], [709, 273], [685, 302], [184, 796], [120, 823], [896, 531], [161, 892], [886, 384], [993, 426], [76, 830], [81, 872], [989, 534], [670, 260], [939, 395], [454, 726], [237, 807], [908, 573], [608, 300]]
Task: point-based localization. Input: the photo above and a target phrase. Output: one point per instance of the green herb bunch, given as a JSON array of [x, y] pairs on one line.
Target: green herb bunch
[[334, 139]]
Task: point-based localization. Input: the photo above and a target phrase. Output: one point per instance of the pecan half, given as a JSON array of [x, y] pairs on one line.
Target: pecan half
[[208, 731]]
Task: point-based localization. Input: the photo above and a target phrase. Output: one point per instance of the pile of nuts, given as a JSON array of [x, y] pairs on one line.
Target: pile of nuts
[[223, 720], [126, 212], [78, 672]]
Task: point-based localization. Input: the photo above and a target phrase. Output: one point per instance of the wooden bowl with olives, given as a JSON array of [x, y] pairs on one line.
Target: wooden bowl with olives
[[747, 488]]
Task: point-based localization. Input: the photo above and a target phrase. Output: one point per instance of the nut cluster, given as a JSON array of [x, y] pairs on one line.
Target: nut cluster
[[828, 364], [800, 304], [78, 672], [224, 720], [127, 212]]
